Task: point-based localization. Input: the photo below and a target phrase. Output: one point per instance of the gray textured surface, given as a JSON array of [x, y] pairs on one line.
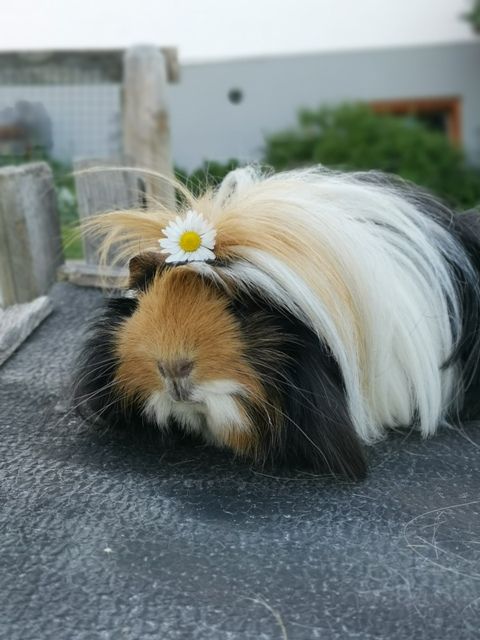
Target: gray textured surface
[[17, 323], [101, 539]]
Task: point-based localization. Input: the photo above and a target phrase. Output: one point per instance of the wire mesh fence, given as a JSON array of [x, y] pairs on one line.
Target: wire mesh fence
[[60, 106]]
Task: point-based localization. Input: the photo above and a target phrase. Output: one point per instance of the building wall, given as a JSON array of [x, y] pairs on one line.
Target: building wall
[[207, 126], [84, 106]]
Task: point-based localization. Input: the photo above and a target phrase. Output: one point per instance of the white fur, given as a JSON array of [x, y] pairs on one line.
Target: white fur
[[395, 262], [212, 411]]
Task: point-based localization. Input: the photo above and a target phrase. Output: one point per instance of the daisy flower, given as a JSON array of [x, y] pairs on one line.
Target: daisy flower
[[189, 239]]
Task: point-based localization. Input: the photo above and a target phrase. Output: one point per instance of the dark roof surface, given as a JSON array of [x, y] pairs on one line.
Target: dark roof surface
[[104, 539]]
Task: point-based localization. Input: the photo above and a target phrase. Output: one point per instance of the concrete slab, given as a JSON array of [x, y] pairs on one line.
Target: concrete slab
[[18, 322], [105, 538]]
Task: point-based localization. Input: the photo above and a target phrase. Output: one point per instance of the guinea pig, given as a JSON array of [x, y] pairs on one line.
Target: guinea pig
[[291, 318]]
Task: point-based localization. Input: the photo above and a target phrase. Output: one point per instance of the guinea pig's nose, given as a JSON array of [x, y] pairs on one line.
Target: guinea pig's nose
[[176, 378], [175, 369]]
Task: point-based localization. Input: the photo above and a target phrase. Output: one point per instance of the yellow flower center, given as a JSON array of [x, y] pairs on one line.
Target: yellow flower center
[[190, 241]]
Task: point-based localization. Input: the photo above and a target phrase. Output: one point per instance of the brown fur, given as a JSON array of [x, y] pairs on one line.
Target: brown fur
[[181, 316], [243, 443], [260, 220]]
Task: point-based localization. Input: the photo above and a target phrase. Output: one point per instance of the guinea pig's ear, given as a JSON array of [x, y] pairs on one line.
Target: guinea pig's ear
[[235, 182], [143, 268]]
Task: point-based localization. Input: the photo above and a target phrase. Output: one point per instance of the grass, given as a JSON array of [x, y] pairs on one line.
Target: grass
[[72, 243], [66, 199]]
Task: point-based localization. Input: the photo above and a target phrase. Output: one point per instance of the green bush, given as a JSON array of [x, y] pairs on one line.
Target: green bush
[[354, 137], [473, 16]]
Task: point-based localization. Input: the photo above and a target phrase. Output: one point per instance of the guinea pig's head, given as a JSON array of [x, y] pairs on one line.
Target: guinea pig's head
[[184, 352]]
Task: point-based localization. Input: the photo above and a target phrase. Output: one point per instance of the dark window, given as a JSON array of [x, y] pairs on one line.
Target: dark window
[[438, 114]]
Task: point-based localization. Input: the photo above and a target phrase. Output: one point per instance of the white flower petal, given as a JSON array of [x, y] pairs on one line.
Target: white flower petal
[[198, 225], [192, 221], [171, 251], [202, 255], [173, 227], [208, 239], [180, 256], [209, 254], [172, 232], [175, 235], [195, 226], [166, 243]]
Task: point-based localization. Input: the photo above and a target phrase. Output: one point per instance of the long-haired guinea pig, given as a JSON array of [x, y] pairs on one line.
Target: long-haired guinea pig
[[291, 318]]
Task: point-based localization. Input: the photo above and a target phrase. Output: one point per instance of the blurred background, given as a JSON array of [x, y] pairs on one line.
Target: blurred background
[[355, 84]]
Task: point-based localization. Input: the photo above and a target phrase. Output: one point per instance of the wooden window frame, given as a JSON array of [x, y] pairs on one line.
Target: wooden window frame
[[452, 106]]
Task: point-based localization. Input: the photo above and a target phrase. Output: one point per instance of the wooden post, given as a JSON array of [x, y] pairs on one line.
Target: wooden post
[[146, 131], [100, 190], [30, 240]]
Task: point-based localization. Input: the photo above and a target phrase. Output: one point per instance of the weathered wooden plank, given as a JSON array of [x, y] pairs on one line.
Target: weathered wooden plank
[[59, 67], [172, 63], [102, 186], [17, 323], [30, 239], [146, 131], [91, 275]]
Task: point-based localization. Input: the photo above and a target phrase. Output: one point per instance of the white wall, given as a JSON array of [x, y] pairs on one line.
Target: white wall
[[205, 125]]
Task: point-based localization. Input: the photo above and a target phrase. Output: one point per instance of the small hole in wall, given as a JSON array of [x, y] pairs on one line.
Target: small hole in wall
[[235, 96]]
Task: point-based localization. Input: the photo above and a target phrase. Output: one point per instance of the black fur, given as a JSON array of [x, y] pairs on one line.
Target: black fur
[[94, 394], [306, 398], [96, 398], [305, 421], [312, 427], [143, 268], [467, 229]]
